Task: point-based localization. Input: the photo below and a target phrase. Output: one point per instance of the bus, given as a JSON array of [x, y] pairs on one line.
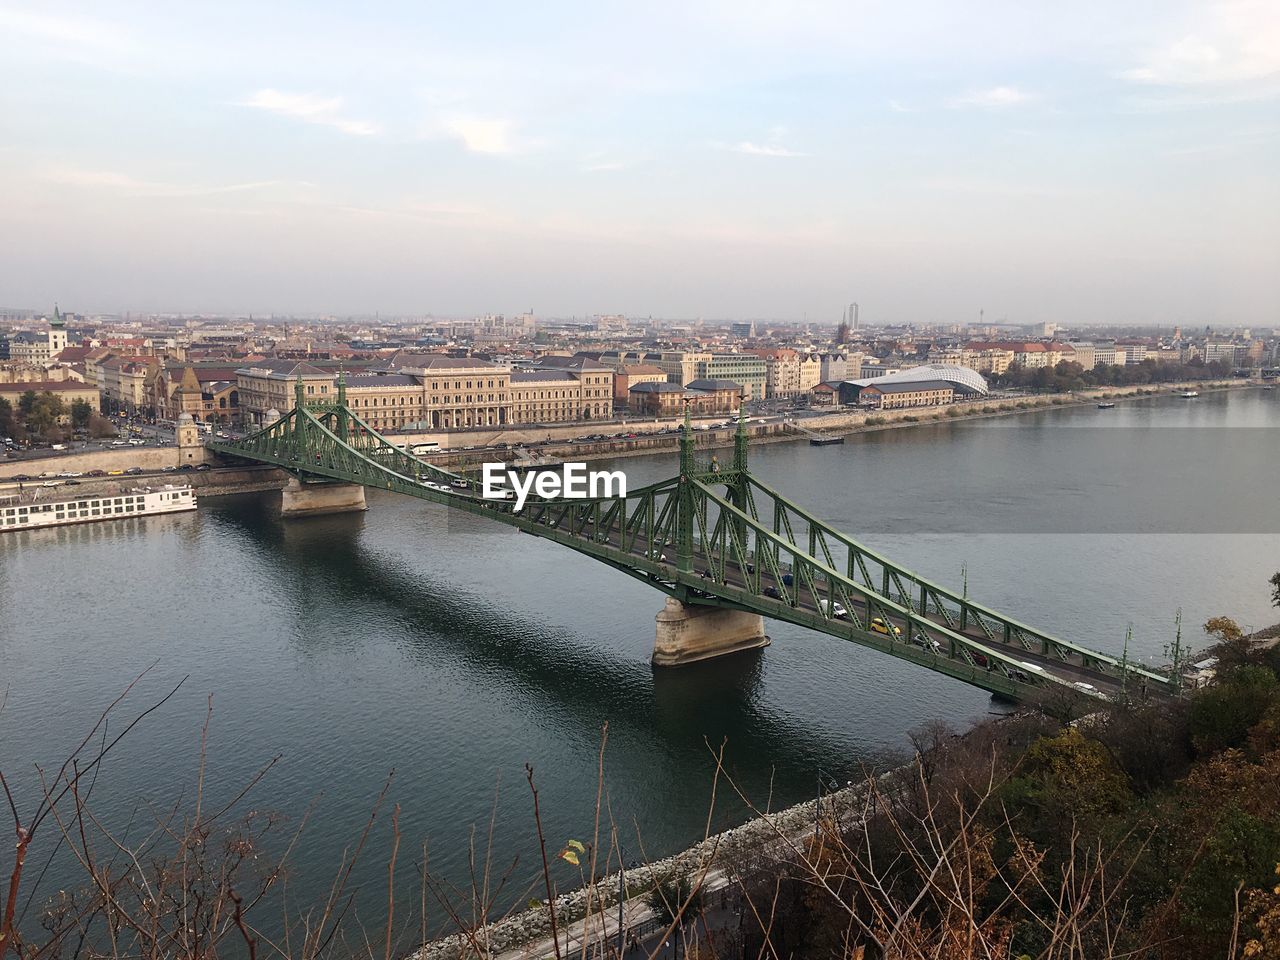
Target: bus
[[420, 449]]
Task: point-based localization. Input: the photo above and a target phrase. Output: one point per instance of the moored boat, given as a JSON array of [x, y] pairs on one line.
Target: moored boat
[[37, 507]]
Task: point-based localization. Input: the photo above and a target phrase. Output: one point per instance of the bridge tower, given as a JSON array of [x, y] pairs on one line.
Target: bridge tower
[[686, 631], [315, 496]]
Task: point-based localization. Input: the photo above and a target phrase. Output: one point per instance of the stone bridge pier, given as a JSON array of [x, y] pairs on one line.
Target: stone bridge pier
[[687, 633], [315, 499]]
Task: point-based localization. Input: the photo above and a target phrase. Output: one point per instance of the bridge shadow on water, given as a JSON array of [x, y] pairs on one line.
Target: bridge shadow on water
[[680, 714]]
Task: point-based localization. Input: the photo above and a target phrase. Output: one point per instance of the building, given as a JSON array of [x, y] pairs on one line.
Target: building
[[825, 394], [122, 383], [39, 346], [717, 396], [745, 369], [547, 395], [205, 391], [68, 391], [387, 401], [679, 366], [986, 358], [1104, 354], [896, 395], [628, 375], [1083, 354], [1031, 356], [781, 372], [1134, 352], [810, 372], [270, 384], [459, 391], [595, 381], [964, 382], [654, 399], [833, 366]]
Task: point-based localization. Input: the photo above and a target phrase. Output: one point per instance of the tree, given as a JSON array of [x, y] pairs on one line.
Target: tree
[[1231, 647], [1065, 781], [100, 426], [8, 424], [81, 411], [1222, 715], [42, 412], [1275, 589]]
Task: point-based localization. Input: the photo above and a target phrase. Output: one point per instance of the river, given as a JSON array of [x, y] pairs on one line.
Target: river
[[455, 650]]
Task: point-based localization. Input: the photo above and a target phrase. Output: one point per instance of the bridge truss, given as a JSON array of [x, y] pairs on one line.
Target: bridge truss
[[714, 535]]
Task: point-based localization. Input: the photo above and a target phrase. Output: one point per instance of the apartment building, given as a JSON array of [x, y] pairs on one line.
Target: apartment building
[[745, 369], [810, 372], [781, 372]]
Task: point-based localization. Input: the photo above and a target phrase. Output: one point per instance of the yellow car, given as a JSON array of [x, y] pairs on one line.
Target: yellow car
[[115, 473], [889, 630]]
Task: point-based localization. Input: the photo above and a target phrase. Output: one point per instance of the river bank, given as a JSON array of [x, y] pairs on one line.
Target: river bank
[[839, 423], [589, 914]]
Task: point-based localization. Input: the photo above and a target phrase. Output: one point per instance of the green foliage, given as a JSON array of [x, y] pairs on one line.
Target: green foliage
[[1063, 780], [1242, 849], [1068, 375], [9, 423], [40, 412], [1222, 714], [1275, 589], [81, 411]]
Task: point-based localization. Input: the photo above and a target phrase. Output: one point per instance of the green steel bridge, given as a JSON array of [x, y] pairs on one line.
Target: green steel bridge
[[715, 536]]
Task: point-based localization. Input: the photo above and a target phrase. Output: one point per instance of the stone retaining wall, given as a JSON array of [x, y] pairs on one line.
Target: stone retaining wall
[[725, 851]]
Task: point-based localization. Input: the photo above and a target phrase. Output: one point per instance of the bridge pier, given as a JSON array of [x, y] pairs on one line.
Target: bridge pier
[[689, 633], [315, 499]]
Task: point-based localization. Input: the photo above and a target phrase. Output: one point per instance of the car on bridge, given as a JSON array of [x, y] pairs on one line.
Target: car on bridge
[[833, 608], [926, 642], [888, 629]]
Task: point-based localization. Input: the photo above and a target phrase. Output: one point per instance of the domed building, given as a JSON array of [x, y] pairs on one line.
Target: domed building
[[926, 385], [964, 381]]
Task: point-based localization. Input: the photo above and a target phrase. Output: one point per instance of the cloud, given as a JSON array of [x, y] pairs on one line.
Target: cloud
[[309, 108], [897, 106], [124, 183], [764, 150], [481, 135], [991, 99], [1234, 43]]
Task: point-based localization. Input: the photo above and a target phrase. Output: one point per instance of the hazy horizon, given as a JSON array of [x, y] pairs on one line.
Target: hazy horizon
[[1082, 165]]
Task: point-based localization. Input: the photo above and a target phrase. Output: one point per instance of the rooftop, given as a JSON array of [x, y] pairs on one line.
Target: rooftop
[[910, 386]]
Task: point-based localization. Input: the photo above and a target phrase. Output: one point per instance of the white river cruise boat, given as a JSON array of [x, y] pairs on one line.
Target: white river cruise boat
[[39, 508]]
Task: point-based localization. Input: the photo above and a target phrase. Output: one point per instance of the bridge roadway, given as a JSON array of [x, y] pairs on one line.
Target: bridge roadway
[[722, 544], [1099, 684]]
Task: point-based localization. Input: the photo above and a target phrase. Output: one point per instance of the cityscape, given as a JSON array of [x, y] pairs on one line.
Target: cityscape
[[710, 481], [406, 375]]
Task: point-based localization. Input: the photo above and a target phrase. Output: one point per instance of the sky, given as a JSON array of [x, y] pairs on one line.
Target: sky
[[1083, 162]]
